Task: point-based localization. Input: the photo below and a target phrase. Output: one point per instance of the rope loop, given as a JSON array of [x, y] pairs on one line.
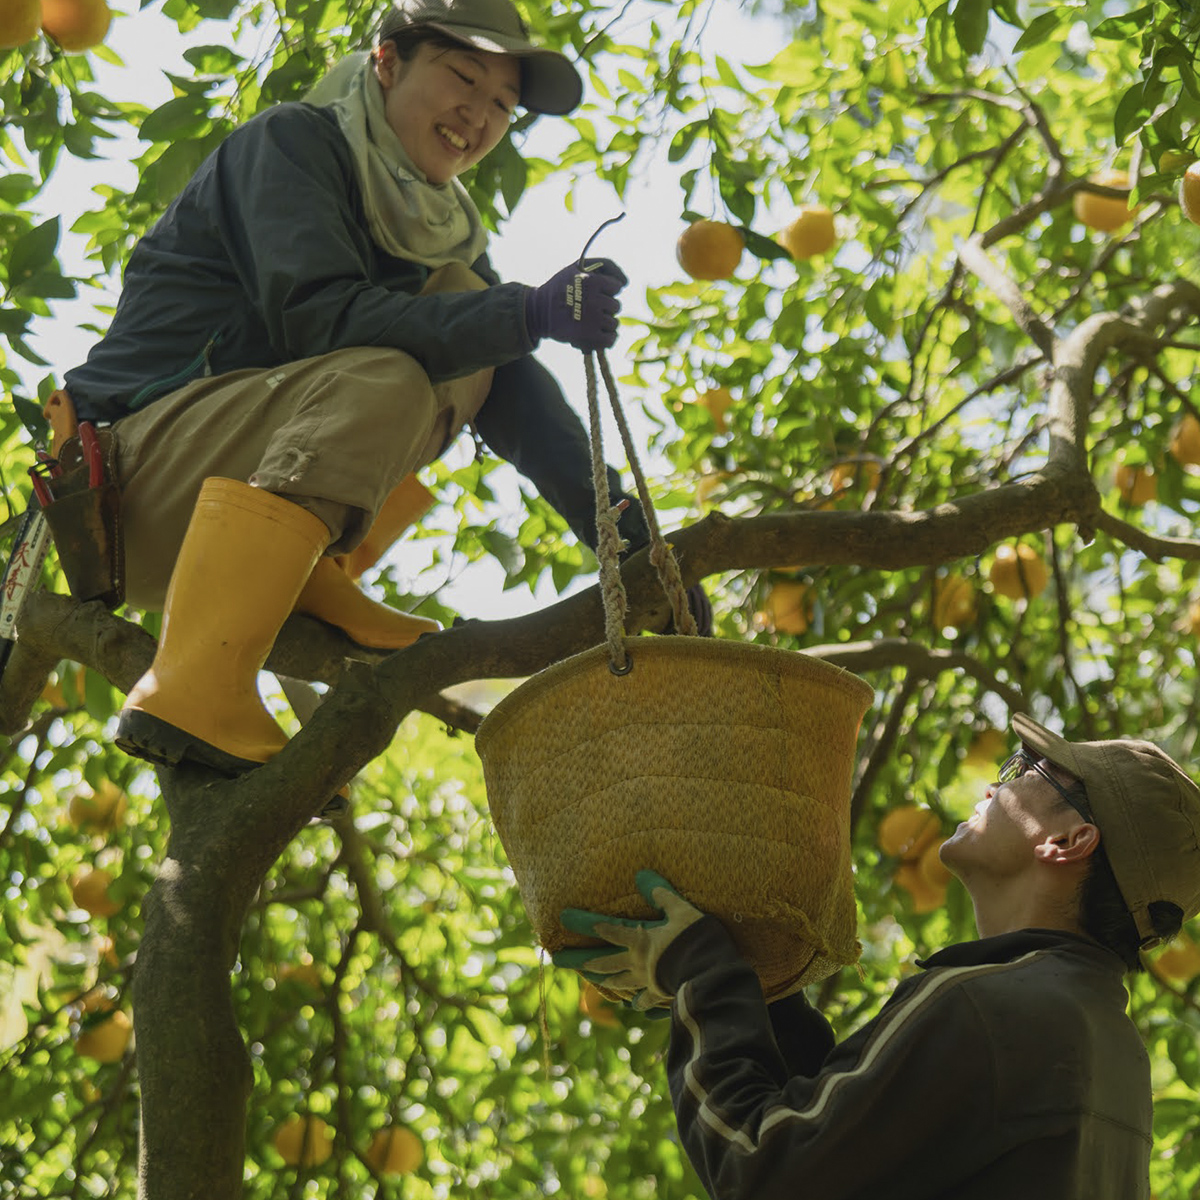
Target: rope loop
[[608, 540]]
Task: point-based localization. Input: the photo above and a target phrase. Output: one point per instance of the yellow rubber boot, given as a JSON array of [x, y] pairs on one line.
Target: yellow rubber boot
[[406, 504], [331, 595], [244, 559]]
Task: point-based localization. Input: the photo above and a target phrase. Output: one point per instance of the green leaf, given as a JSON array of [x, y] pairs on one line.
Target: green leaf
[[181, 117], [762, 246], [1127, 25], [16, 189], [971, 24], [32, 252], [684, 139], [30, 415], [1039, 29], [513, 175], [1129, 110]]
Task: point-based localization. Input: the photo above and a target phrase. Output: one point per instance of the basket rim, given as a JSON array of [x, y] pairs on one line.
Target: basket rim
[[794, 663]]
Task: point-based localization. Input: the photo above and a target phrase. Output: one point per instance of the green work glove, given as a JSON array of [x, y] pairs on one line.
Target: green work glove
[[629, 964]]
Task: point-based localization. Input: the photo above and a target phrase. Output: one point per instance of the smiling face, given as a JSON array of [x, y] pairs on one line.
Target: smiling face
[[448, 107]]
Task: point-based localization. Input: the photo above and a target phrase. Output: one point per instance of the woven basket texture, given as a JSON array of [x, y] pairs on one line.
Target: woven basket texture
[[724, 766]]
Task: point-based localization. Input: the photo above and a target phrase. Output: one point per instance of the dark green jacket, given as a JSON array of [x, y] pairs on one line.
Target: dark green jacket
[[1006, 1070], [265, 258]]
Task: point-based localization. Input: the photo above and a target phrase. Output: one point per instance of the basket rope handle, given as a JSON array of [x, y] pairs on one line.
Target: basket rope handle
[[608, 539]]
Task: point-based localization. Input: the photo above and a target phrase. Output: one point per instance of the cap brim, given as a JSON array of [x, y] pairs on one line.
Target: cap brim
[[1049, 745], [549, 81]]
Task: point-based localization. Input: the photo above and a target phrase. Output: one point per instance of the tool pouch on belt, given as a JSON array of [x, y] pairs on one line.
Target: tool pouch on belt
[[85, 517]]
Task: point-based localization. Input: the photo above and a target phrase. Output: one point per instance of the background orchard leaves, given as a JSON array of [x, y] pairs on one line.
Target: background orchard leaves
[[385, 973]]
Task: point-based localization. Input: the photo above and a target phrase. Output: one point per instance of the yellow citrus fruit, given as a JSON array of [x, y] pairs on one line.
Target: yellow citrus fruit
[[1189, 193], [1104, 212], [54, 692], [787, 607], [905, 831], [926, 897], [1193, 618], [1172, 160], [1018, 572], [1185, 441], [933, 870], [89, 891], [954, 602], [597, 1007], [710, 484], [988, 748], [107, 1040], [305, 973], [1137, 485], [395, 1150], [303, 1141], [1180, 961], [812, 232], [97, 811], [718, 401], [19, 22], [710, 249], [865, 474], [76, 24]]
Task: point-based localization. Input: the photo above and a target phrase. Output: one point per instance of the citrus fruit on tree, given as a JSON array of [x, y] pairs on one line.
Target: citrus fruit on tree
[[89, 891], [1104, 213], [395, 1150], [925, 896], [1172, 160], [97, 811], [1185, 442], [954, 602], [932, 869], [1018, 572], [987, 749], [303, 1141], [710, 249], [1137, 485], [1189, 193], [864, 473], [1180, 961], [812, 232], [19, 22], [709, 484], [596, 1006], [787, 607], [107, 1040], [718, 401], [305, 974], [76, 24], [906, 831]]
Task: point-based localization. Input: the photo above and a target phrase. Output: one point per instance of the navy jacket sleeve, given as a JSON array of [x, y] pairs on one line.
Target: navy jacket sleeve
[[899, 1109], [528, 422], [288, 217]]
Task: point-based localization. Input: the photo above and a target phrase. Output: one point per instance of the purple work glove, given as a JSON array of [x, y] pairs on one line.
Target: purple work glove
[[577, 306]]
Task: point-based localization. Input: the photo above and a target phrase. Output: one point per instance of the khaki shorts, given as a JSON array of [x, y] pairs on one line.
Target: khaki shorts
[[334, 433]]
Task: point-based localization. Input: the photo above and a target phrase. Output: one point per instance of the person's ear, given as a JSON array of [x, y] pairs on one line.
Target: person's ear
[[387, 63], [1077, 845]]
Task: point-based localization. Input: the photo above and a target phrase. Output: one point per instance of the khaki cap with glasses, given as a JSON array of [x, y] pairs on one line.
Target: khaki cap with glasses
[[1146, 807]]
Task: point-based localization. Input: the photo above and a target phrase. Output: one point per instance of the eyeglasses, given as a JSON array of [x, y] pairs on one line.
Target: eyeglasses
[[1024, 761]]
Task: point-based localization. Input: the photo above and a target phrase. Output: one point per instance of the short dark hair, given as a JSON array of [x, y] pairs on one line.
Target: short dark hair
[[408, 40], [1105, 916]]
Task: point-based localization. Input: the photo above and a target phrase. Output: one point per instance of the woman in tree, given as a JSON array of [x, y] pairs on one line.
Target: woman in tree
[[313, 319]]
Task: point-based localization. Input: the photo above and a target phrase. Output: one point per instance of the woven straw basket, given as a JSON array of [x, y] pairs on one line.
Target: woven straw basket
[[724, 766]]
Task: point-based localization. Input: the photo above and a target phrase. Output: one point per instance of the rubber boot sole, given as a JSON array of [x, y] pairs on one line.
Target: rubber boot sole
[[145, 736]]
